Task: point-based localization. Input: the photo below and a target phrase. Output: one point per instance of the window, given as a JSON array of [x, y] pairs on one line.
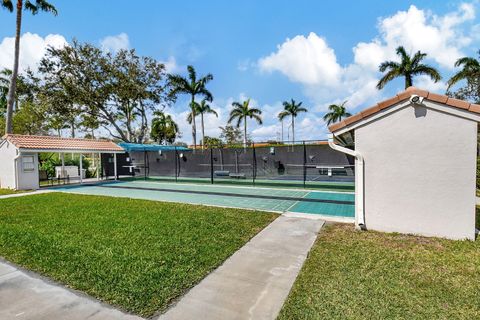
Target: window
[[28, 163]]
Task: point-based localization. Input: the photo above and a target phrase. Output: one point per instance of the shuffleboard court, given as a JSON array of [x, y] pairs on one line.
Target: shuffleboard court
[[338, 204]]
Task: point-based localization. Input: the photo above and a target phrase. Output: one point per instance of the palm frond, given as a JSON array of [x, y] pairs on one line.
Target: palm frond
[[7, 4], [388, 65], [389, 76], [427, 70], [282, 115], [419, 56], [192, 74]]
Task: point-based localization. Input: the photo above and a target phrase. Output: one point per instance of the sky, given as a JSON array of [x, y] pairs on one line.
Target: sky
[[317, 52]]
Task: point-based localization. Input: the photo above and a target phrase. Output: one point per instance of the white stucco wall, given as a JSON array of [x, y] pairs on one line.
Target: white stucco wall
[[7, 170], [420, 169]]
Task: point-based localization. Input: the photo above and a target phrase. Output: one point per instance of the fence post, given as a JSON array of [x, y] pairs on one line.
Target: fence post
[[211, 165], [175, 158], [254, 164], [304, 164]]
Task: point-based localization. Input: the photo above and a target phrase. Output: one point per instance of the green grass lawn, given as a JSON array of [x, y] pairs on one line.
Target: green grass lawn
[[372, 275], [135, 254]]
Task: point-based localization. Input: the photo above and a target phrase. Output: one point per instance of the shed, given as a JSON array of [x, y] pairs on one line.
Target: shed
[[19, 156], [416, 164]]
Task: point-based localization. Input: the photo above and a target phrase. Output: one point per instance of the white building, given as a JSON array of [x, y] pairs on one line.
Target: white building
[[19, 156], [416, 164]]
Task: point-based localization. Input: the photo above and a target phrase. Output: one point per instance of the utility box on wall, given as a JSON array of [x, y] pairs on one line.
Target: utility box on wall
[[419, 164]]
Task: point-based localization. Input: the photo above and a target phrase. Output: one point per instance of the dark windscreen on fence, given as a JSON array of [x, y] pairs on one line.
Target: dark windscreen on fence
[[310, 164]]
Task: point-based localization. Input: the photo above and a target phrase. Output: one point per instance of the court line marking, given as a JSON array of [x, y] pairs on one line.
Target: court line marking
[[230, 186], [236, 195]]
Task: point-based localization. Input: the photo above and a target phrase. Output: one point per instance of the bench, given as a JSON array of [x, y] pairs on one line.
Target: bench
[[237, 175]]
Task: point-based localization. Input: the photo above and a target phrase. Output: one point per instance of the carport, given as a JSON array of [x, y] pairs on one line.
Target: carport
[[19, 157]]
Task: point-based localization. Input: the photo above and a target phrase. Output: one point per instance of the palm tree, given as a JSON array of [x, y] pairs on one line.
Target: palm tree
[[201, 109], [291, 109], [336, 113], [193, 87], [164, 128], [242, 111], [470, 70], [34, 8], [408, 67]]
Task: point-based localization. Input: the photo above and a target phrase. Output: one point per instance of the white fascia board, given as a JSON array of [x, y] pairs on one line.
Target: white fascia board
[[67, 151], [406, 103]]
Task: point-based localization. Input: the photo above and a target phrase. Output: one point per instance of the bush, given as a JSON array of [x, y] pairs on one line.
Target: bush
[[48, 162]]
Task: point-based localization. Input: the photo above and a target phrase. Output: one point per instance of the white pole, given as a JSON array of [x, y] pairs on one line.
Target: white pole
[[99, 165], [115, 165], [81, 168], [63, 166]]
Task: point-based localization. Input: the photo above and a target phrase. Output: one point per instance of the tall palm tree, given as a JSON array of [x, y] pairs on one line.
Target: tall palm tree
[[292, 109], [193, 87], [470, 70], [34, 8], [336, 113], [408, 67], [242, 111], [164, 128], [201, 109]]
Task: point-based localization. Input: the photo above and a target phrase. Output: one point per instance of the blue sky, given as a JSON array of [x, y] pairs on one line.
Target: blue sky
[[317, 52]]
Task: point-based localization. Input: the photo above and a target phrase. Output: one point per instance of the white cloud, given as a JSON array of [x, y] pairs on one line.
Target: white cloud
[[171, 65], [308, 60], [115, 43], [32, 49], [312, 63], [438, 36]]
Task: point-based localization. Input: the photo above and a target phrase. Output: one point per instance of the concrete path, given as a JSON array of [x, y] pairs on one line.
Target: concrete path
[[255, 281], [25, 296], [23, 194]]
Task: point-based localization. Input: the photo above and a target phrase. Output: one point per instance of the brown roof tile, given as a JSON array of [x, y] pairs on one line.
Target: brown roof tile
[[437, 97], [460, 104], [474, 108], [56, 143]]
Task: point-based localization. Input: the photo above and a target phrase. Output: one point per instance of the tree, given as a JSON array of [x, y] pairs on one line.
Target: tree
[[242, 111], [164, 129], [408, 67], [291, 109], [336, 113], [193, 87], [231, 135], [211, 142], [34, 8], [201, 109], [470, 71], [30, 119], [119, 90]]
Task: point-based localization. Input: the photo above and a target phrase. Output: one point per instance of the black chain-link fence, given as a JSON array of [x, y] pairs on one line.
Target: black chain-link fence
[[309, 164]]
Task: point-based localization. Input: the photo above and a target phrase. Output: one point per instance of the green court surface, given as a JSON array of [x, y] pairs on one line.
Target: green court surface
[[338, 204], [286, 182]]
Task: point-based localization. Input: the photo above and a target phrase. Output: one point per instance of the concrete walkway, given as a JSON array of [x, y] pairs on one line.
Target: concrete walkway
[[255, 281], [26, 296], [24, 194]]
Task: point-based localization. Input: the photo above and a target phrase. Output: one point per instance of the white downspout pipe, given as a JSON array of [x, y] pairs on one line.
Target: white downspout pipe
[[15, 162], [359, 181]]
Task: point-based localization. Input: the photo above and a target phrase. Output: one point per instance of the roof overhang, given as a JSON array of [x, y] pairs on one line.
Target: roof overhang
[[24, 150], [434, 101]]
